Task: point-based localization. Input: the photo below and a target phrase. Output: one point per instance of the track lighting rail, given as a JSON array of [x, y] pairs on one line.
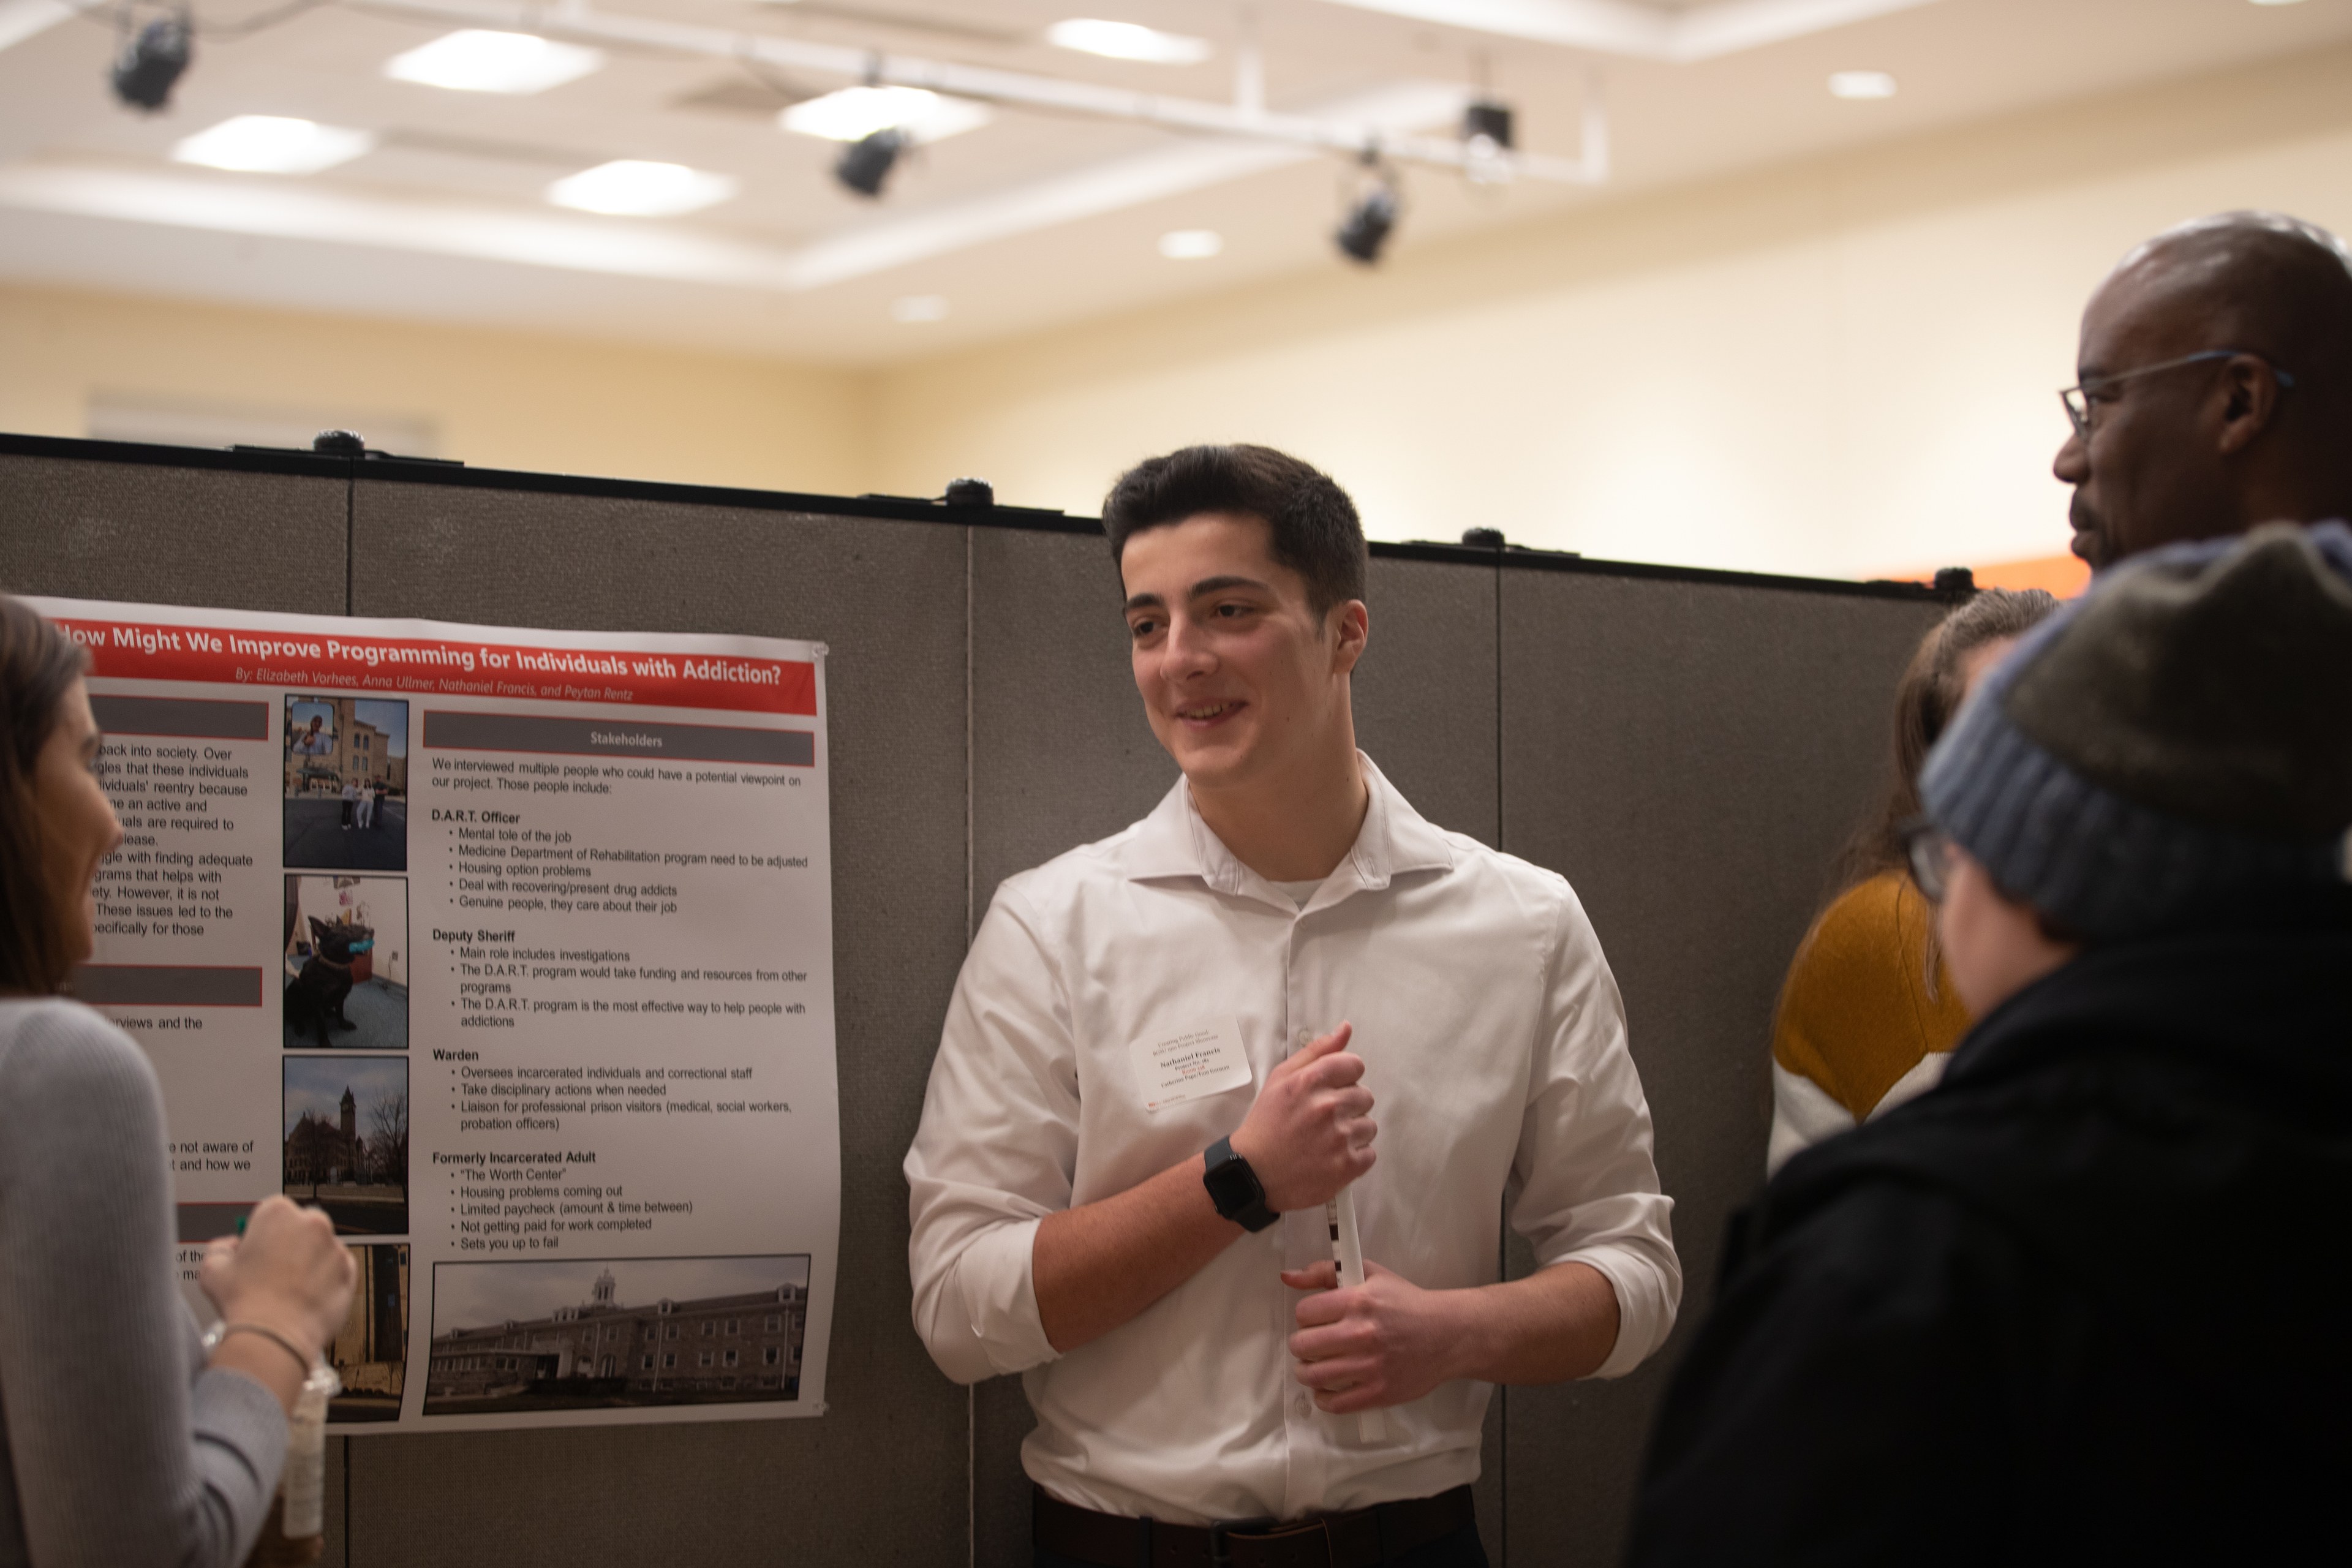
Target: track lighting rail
[[1242, 120]]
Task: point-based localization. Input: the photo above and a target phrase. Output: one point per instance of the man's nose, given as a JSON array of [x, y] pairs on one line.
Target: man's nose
[[1186, 651], [2073, 463]]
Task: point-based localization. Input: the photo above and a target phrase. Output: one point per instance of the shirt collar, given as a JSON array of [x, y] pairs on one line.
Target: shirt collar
[[1394, 839]]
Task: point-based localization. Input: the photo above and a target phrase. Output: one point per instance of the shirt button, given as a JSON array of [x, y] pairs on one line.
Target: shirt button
[[1306, 1036], [1303, 1405]]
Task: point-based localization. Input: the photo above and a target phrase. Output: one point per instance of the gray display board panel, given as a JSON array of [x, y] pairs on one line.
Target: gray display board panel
[[161, 535], [880, 1477], [1688, 751], [1689, 757]]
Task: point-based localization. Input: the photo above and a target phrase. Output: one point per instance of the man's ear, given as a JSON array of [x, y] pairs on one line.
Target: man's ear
[[2250, 401], [1351, 626]]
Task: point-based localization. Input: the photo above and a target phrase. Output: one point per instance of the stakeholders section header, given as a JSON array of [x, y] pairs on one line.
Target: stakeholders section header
[[512, 952]]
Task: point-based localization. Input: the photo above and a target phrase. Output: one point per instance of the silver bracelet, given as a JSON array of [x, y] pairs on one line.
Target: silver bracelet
[[222, 1330]]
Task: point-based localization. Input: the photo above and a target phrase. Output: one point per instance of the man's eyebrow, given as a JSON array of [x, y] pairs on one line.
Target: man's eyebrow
[[1144, 602], [1219, 584]]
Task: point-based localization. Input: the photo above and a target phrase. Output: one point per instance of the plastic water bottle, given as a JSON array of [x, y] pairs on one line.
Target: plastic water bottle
[[296, 1531]]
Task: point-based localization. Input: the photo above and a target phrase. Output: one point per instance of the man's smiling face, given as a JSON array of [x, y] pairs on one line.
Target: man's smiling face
[[1239, 676]]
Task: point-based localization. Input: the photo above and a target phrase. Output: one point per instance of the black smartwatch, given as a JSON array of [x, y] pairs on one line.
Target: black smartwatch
[[1233, 1187]]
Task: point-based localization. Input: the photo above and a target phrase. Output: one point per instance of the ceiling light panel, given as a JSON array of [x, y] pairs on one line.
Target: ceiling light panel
[[1127, 41], [633, 187], [1190, 244], [480, 60], [918, 310], [1860, 84], [856, 112], [272, 144]]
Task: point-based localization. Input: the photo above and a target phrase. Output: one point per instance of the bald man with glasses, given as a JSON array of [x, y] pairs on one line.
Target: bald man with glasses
[[2215, 387]]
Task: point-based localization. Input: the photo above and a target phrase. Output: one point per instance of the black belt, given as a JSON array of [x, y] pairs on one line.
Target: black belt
[[1360, 1538]]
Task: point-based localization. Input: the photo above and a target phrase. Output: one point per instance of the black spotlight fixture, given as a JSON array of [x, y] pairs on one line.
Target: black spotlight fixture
[[1486, 143], [867, 163], [1366, 228], [1489, 120], [151, 61]]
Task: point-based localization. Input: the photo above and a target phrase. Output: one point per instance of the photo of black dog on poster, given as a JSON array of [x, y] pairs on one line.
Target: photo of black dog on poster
[[346, 963]]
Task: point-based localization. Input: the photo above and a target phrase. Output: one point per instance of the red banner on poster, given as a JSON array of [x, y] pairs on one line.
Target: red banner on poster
[[399, 666]]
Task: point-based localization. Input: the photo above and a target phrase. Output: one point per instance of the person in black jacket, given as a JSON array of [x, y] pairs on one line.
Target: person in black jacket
[[2081, 1302]]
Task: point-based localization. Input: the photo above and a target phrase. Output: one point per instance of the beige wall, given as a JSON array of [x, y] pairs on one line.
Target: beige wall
[[1843, 366], [498, 400]]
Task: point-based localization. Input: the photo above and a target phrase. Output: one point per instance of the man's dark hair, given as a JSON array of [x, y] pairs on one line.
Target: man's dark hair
[[1312, 522]]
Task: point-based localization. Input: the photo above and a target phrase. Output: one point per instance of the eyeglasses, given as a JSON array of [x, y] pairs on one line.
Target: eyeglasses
[[2077, 398], [1928, 850]]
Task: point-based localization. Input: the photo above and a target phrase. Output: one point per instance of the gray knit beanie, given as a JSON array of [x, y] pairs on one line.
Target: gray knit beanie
[[2180, 734]]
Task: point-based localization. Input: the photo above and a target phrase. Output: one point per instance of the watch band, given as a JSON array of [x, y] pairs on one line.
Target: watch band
[[1235, 1188]]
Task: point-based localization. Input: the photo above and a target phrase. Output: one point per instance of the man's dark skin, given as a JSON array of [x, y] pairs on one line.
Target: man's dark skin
[[2219, 446]]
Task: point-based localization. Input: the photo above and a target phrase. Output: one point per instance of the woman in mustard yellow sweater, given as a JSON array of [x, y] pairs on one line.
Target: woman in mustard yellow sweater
[[1867, 1017]]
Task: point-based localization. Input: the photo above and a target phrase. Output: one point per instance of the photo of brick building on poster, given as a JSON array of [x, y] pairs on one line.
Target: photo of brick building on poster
[[529, 1335]]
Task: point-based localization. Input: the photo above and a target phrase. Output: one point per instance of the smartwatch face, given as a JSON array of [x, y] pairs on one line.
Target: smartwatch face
[[1230, 1183], [1235, 1188]]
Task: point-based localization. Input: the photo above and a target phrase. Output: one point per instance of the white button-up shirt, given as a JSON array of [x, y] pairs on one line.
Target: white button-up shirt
[[1493, 1044]]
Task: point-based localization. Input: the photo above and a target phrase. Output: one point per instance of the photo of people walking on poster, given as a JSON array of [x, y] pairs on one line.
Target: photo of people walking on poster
[[346, 783]]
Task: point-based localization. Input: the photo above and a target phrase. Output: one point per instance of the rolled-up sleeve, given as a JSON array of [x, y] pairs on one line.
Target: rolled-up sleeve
[[994, 1153], [1585, 1166]]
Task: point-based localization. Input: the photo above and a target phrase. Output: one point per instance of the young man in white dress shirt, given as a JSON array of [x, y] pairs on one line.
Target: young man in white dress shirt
[[1163, 1044]]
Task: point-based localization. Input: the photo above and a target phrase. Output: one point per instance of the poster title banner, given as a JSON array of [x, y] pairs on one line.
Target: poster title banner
[[438, 666]]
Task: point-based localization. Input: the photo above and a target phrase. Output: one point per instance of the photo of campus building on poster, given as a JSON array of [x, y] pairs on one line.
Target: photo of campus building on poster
[[346, 781], [621, 1331], [346, 1149], [371, 1351]]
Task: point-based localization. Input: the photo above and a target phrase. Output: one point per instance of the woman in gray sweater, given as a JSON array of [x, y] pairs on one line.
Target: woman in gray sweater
[[121, 1442]]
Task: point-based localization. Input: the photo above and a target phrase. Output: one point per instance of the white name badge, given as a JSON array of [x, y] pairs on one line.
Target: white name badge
[[1187, 1063]]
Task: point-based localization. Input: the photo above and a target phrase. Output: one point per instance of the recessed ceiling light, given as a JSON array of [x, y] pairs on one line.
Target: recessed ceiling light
[[1860, 84], [1127, 41], [856, 112], [272, 144], [1190, 244], [480, 60], [632, 187], [917, 309]]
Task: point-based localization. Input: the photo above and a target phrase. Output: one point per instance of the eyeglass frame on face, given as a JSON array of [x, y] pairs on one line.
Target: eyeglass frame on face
[[1928, 855], [2077, 399]]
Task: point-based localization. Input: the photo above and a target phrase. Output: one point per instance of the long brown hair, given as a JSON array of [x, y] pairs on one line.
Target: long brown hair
[[38, 664], [1925, 701]]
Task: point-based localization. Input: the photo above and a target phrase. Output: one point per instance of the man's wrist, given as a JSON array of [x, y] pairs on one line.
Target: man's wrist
[[1233, 1186], [1466, 1332]]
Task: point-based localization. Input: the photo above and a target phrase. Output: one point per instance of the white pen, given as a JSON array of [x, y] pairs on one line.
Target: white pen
[[1348, 1258]]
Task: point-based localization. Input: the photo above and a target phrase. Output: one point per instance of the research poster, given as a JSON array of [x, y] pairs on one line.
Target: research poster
[[513, 951]]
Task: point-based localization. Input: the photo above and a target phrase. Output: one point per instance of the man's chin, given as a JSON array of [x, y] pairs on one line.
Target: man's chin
[[2090, 546], [1212, 764]]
